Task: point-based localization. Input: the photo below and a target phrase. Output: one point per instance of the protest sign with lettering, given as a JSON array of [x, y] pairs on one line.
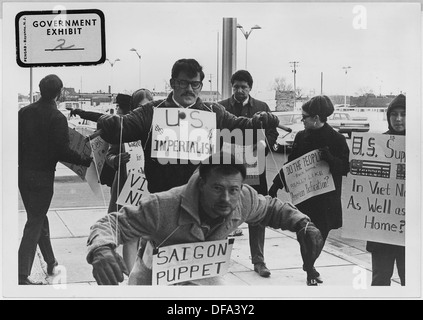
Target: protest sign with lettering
[[183, 134], [191, 261], [134, 189], [373, 193], [78, 143], [245, 155], [99, 149], [137, 159], [308, 176]]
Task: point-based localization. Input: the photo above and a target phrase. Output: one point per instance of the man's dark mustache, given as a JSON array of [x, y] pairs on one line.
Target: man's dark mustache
[[188, 94]]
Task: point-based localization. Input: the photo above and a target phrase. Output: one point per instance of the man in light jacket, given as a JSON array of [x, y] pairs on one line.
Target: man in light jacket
[[211, 206]]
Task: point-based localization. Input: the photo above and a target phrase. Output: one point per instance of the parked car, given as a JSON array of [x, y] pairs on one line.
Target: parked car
[[286, 139], [344, 123]]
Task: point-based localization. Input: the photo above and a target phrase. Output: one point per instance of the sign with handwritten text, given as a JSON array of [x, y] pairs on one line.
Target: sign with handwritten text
[[137, 159], [373, 193], [60, 37], [134, 189], [191, 261], [308, 176], [185, 134], [99, 149]]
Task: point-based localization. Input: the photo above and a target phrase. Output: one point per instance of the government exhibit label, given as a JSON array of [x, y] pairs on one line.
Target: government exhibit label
[[191, 261], [183, 134], [60, 38], [308, 176], [373, 193]]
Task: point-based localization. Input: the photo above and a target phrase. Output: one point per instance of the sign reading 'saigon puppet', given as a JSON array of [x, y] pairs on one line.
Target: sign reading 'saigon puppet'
[[191, 261], [60, 38], [373, 194], [183, 134]]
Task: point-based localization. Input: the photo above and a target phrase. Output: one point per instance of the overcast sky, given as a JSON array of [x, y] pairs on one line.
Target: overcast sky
[[321, 37]]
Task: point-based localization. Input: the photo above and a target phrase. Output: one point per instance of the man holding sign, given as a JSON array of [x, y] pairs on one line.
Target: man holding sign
[[325, 208], [43, 141], [175, 130], [211, 206]]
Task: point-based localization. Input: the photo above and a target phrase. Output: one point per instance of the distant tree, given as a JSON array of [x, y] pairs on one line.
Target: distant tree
[[364, 91], [281, 85]]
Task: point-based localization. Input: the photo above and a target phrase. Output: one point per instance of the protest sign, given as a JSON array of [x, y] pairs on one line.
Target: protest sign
[[191, 261], [183, 134], [308, 176], [135, 187], [373, 194], [78, 143], [99, 149], [137, 159], [245, 155]]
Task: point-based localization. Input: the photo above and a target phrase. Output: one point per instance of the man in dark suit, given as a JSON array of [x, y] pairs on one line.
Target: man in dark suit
[[43, 141], [242, 104]]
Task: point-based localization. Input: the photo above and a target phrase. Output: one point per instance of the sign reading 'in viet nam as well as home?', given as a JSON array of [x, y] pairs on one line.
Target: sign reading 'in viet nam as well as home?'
[[308, 176], [60, 37], [373, 193], [191, 261], [183, 134]]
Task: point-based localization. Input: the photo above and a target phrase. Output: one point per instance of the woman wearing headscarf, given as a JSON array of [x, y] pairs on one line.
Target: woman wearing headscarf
[[384, 256], [324, 210]]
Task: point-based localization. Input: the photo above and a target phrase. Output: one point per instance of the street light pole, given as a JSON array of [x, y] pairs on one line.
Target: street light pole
[[345, 96], [246, 35], [111, 74], [139, 61], [294, 65]]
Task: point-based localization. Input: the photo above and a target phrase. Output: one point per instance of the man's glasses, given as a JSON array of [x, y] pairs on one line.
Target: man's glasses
[[183, 84]]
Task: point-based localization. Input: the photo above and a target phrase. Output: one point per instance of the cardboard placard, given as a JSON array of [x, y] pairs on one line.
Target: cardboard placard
[[184, 134], [373, 194], [191, 261], [308, 176], [135, 188], [78, 143]]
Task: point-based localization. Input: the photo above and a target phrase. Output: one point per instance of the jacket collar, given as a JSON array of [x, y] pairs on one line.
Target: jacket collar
[[249, 101], [171, 103]]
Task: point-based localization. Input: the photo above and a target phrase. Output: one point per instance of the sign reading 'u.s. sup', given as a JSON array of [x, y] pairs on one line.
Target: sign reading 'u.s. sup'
[[60, 38]]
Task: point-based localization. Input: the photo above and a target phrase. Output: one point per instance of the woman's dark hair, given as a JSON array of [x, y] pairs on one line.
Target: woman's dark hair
[[139, 96], [50, 86], [320, 106], [242, 75], [190, 66], [224, 163]]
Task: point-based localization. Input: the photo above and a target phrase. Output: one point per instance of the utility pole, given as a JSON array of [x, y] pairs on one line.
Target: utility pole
[[211, 85], [294, 66], [345, 95]]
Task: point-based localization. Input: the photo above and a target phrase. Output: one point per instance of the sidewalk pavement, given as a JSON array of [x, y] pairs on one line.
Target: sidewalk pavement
[[337, 263], [70, 229]]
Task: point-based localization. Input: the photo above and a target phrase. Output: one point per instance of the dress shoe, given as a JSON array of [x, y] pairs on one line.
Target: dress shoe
[[262, 270], [28, 282], [316, 276], [50, 268]]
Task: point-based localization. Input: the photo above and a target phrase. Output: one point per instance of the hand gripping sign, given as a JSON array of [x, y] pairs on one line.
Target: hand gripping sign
[[373, 194], [183, 134], [308, 176], [191, 261]]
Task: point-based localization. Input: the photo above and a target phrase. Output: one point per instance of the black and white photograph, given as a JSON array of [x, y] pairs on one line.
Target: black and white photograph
[[211, 150]]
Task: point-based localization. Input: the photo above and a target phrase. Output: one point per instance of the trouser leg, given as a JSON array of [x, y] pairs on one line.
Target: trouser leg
[[400, 260], [45, 243], [383, 268], [257, 236], [36, 191]]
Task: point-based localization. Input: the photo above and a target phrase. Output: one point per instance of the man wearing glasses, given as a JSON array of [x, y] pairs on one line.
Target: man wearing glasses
[[242, 104], [186, 81]]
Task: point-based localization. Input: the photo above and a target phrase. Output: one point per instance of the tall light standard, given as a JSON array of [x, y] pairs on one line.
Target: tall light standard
[[246, 35], [294, 65], [111, 74], [345, 96], [139, 60]]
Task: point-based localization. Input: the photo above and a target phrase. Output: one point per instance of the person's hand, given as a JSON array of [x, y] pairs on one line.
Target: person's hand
[[326, 155], [108, 267], [311, 244], [86, 162], [124, 158], [273, 191], [74, 112], [265, 120]]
